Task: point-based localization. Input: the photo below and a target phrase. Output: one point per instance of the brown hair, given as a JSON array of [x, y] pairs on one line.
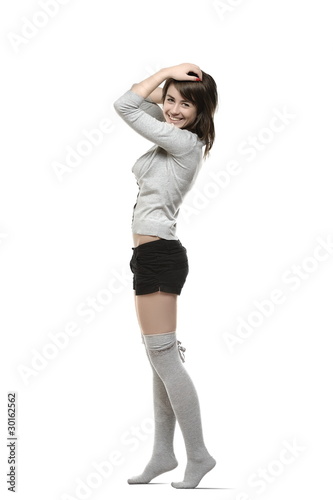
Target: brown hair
[[204, 96]]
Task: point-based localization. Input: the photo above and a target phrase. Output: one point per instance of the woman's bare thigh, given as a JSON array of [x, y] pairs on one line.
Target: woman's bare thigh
[[156, 312]]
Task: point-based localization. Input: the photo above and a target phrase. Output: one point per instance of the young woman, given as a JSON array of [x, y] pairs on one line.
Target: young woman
[[164, 174]]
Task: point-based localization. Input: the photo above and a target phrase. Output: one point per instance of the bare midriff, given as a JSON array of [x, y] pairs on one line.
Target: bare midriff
[[138, 239]]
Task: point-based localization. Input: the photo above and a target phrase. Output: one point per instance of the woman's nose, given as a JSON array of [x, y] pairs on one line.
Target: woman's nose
[[175, 109]]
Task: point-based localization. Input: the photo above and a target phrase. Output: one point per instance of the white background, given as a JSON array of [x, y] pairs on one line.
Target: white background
[[65, 240]]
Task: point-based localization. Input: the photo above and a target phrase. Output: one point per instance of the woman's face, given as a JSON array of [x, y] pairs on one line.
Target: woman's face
[[178, 110]]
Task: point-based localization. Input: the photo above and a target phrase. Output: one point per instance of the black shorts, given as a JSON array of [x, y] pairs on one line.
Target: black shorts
[[159, 265]]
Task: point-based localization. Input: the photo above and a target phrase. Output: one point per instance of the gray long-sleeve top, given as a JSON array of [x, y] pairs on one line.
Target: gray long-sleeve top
[[166, 172]]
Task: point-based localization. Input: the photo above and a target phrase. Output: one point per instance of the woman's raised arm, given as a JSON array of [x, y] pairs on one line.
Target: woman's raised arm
[[156, 95], [179, 72]]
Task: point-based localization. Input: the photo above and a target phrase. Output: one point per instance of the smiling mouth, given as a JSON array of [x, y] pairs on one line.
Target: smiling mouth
[[175, 119]]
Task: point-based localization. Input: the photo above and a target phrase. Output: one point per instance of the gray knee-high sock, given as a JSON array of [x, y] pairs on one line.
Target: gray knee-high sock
[[164, 355], [163, 458]]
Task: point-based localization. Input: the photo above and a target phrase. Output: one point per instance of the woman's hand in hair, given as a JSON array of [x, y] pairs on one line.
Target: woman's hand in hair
[[181, 72]]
